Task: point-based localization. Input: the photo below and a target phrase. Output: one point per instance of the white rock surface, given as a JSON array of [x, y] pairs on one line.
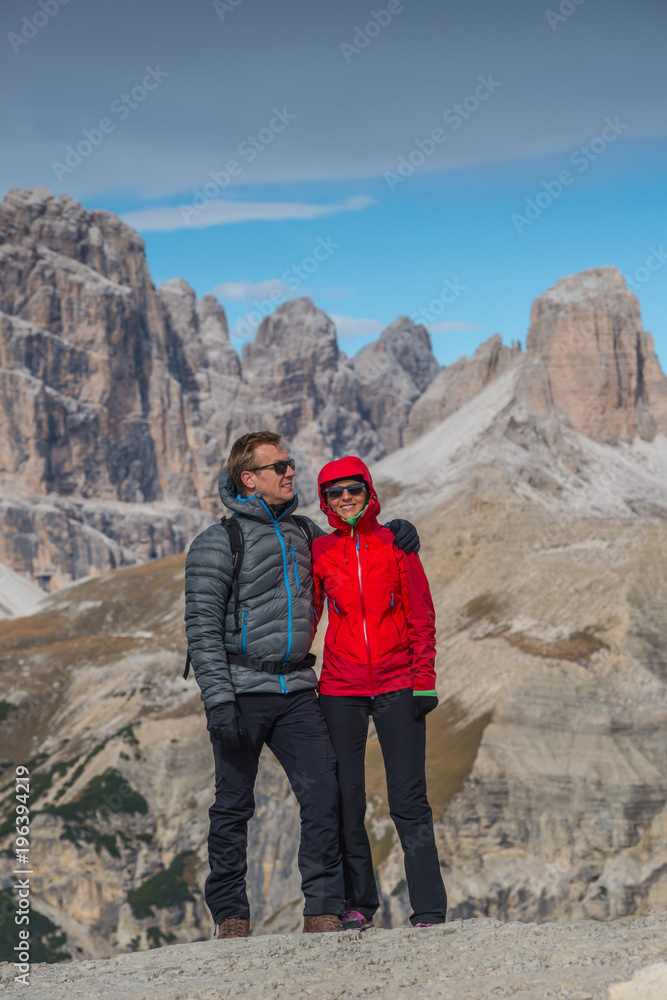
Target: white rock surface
[[18, 596], [462, 960], [648, 984]]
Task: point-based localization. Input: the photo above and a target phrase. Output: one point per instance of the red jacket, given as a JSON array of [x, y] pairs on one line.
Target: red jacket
[[381, 634]]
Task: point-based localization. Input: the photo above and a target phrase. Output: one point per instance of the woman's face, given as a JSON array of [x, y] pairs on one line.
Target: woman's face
[[347, 504]]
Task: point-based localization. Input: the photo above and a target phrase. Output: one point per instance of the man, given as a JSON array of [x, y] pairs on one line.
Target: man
[[249, 650]]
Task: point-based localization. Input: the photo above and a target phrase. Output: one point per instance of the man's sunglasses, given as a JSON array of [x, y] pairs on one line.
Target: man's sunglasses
[[354, 489], [278, 467]]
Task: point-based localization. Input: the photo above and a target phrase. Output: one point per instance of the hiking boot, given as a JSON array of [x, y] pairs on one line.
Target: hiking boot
[[423, 925], [323, 923], [232, 927], [353, 920]]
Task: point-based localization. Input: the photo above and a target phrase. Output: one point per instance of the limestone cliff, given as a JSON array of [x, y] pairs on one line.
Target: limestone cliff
[[593, 361]]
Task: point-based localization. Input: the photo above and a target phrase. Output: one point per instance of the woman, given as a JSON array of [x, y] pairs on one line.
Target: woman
[[379, 652]]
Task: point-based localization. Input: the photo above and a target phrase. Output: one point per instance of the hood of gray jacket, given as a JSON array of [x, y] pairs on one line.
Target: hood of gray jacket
[[252, 506]]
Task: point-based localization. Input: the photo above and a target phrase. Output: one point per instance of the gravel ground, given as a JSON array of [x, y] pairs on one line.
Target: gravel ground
[[462, 960]]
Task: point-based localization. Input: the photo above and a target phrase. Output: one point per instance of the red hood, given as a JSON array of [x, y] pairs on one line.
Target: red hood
[[340, 469]]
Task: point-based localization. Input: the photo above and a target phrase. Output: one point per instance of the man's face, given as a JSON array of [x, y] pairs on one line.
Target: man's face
[[347, 505], [274, 488]]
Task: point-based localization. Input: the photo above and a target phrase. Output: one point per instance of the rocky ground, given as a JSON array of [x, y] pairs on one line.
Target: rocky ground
[[462, 960]]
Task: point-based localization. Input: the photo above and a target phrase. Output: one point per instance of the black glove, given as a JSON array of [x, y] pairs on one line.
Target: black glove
[[405, 535], [225, 723], [422, 704]]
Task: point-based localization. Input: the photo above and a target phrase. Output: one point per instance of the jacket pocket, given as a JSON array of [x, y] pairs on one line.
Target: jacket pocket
[[335, 621], [395, 634]]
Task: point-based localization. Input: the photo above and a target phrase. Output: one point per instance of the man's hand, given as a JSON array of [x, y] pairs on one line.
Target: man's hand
[[225, 723], [422, 704], [405, 535]]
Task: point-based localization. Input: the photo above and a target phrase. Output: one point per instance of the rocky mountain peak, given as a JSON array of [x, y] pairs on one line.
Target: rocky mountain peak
[[296, 331], [592, 283], [197, 336], [99, 239], [410, 344], [394, 371], [592, 360], [194, 318], [208, 308]]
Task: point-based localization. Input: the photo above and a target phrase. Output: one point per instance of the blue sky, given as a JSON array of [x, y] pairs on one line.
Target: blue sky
[[307, 115]]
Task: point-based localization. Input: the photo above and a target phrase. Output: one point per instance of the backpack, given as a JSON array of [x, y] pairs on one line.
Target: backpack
[[233, 529]]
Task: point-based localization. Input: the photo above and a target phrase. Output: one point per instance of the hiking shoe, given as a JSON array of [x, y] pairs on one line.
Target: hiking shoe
[[423, 925], [323, 923], [232, 927], [355, 921]]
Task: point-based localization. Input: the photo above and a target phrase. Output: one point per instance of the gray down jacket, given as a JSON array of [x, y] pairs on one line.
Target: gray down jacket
[[276, 616]]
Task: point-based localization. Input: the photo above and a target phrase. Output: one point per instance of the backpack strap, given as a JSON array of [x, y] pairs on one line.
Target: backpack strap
[[304, 524], [188, 661], [233, 529]]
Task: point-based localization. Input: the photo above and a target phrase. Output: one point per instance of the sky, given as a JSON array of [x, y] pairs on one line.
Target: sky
[[408, 157]]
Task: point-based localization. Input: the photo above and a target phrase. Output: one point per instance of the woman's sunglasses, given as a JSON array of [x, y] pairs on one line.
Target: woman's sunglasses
[[280, 468], [354, 489]]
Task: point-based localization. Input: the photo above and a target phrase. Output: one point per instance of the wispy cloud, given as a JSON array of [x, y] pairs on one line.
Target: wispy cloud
[[451, 326], [225, 213], [352, 326], [250, 291]]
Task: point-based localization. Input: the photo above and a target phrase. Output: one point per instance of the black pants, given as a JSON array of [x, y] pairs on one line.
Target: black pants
[[293, 728], [403, 744]]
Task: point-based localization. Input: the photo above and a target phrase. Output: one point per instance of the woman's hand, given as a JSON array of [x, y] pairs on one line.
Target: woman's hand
[[423, 703]]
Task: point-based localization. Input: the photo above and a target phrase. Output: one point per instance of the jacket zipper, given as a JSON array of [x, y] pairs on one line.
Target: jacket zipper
[[245, 630], [287, 588], [364, 621]]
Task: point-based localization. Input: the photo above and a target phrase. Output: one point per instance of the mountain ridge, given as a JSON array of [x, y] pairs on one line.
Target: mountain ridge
[[119, 400]]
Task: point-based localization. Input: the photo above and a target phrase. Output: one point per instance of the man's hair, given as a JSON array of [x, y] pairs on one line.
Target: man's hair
[[242, 456]]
